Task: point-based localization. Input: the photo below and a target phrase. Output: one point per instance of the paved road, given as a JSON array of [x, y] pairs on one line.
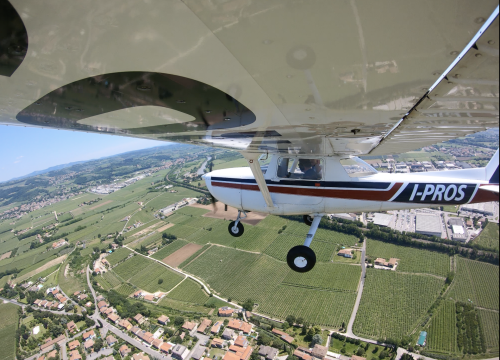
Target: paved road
[[95, 355], [15, 302], [360, 293], [138, 344]]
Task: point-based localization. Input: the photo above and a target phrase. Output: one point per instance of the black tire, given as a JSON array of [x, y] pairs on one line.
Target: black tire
[[301, 259], [240, 228], [308, 219]]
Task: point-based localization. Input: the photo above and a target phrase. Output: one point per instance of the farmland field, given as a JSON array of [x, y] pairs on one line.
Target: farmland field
[[148, 278], [489, 322], [178, 257], [124, 289], [169, 249], [442, 334], [189, 291], [8, 327], [489, 237], [476, 281], [392, 303], [410, 259], [131, 267], [110, 279], [118, 255]]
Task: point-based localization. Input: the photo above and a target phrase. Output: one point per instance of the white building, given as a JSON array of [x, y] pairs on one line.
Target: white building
[[429, 225]]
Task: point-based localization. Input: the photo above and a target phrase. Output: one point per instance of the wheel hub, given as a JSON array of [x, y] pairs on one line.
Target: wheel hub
[[300, 262]]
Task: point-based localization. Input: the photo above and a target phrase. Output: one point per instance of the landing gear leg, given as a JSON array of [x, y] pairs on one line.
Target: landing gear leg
[[236, 228], [302, 258]]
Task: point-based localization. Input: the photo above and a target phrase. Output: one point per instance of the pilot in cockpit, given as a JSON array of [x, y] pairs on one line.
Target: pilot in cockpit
[[306, 166]]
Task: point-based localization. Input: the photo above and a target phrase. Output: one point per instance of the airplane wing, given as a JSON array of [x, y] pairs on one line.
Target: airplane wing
[[315, 77]]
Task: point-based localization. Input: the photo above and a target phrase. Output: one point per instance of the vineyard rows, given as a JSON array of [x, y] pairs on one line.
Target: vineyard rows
[[392, 303], [442, 334], [147, 279], [477, 282], [117, 256], [124, 289], [169, 249], [410, 259], [490, 324], [189, 291], [131, 267]]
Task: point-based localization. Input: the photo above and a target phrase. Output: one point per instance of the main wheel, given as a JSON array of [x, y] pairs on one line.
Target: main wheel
[[308, 219], [301, 258], [236, 231]]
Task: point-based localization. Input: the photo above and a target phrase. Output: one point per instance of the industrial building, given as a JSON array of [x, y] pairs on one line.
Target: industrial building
[[382, 219], [429, 225], [459, 231], [482, 208]]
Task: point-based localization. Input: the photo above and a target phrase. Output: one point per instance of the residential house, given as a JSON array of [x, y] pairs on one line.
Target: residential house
[[179, 352], [101, 304], [76, 293], [88, 335], [165, 347], [49, 343], [283, 335], [215, 329], [82, 296], [71, 326], [111, 340], [146, 336], [140, 356], [163, 319], [135, 330], [319, 351], [302, 355], [113, 317], [140, 319], [347, 253], [99, 298], [190, 326], [88, 344], [230, 356], [239, 325], [203, 326], [218, 343], [149, 297], [137, 294], [37, 302], [241, 353], [52, 354], [124, 350], [226, 311], [241, 341], [198, 353], [227, 334], [75, 355], [75, 344], [267, 352], [157, 343], [125, 324]]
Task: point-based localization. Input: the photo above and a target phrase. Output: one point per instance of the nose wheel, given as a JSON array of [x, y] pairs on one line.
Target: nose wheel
[[236, 228], [301, 258]]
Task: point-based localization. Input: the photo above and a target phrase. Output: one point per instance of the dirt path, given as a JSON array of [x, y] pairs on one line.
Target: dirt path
[[101, 204], [422, 274], [48, 265]]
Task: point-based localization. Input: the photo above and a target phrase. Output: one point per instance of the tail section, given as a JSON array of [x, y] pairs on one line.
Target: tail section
[[492, 170]]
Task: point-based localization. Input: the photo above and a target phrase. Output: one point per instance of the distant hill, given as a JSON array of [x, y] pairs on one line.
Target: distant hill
[[52, 168]]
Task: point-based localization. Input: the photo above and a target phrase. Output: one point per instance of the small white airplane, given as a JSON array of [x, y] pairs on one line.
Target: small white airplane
[[312, 84], [319, 185]]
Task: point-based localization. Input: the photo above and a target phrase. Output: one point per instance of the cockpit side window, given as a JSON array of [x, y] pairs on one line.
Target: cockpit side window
[[355, 167], [300, 168]]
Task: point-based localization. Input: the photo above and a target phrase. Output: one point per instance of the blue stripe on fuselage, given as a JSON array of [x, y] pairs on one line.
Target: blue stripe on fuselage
[[312, 183]]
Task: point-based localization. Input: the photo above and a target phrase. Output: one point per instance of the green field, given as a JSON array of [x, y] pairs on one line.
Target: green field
[[125, 289], [442, 333], [489, 322], [284, 242], [475, 282], [169, 249], [489, 237], [8, 327], [117, 256], [393, 303], [410, 259], [145, 274], [189, 291]]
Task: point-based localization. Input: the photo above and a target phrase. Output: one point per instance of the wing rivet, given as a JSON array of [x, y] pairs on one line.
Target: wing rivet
[[181, 101], [454, 53], [479, 55], [491, 42], [479, 20]]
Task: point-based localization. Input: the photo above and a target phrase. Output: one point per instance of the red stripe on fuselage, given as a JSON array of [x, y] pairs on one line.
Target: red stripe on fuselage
[[484, 196], [320, 192]]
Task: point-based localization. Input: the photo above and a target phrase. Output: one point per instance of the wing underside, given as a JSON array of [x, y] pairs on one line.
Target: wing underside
[[310, 77]]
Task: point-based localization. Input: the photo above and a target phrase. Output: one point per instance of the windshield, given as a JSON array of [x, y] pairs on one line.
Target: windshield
[[355, 167]]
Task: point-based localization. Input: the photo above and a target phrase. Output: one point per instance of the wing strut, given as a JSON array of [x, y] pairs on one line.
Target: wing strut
[[253, 162]]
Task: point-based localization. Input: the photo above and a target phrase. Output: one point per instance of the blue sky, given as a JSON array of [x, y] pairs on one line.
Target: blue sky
[[25, 149]]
